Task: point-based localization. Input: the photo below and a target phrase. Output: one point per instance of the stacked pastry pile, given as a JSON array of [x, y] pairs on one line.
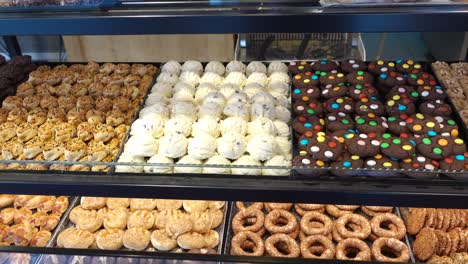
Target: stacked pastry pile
[[114, 223], [455, 79], [235, 115], [380, 115], [439, 232], [72, 113], [316, 231], [13, 73], [28, 220]]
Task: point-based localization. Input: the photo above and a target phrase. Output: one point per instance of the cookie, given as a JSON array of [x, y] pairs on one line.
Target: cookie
[[431, 93], [397, 125], [332, 91], [340, 134], [324, 65], [325, 148], [407, 66], [436, 148], [338, 121], [425, 245], [359, 77], [297, 67], [308, 162], [347, 161], [399, 106], [359, 91], [421, 79], [416, 220], [308, 109], [305, 80], [369, 105], [363, 145], [353, 65], [381, 66], [306, 94], [403, 91], [391, 79], [340, 104], [380, 161], [459, 146], [396, 147], [423, 124], [371, 123], [303, 142], [419, 162], [436, 108], [448, 126], [333, 77], [302, 124]]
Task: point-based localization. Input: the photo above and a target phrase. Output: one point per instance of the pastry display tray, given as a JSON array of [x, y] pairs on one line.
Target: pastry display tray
[[66, 223], [24, 6], [234, 211]]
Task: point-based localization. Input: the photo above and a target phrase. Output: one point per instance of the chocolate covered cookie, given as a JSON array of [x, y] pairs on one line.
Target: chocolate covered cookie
[[380, 161], [431, 93], [333, 77], [436, 148], [363, 145], [324, 147], [359, 77], [407, 66], [372, 105], [396, 147], [332, 91], [397, 125], [360, 91], [297, 67], [421, 79], [403, 91], [371, 123], [436, 108], [302, 124], [338, 121], [391, 79], [306, 94], [381, 66], [340, 104], [305, 80], [353, 65], [399, 106], [324, 65], [308, 109]]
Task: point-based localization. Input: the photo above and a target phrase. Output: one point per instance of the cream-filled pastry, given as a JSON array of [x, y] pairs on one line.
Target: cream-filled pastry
[[121, 104], [85, 78], [84, 219], [62, 89]]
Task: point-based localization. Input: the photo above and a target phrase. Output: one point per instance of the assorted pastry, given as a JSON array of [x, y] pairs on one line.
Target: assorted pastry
[[317, 231], [380, 115], [76, 113], [144, 224], [214, 115], [29, 220]]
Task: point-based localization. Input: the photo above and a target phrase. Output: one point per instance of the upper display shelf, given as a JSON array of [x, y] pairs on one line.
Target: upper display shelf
[[172, 17]]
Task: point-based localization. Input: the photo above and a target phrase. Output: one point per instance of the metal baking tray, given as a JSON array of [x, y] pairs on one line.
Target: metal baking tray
[[234, 211], [66, 223]]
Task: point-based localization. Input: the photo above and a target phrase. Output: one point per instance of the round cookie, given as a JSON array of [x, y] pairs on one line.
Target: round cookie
[[332, 91], [419, 162], [360, 91], [303, 142], [421, 79], [305, 80], [448, 126], [302, 124], [371, 123], [431, 93], [340, 134], [347, 161], [338, 121], [306, 94], [397, 125], [381, 66], [403, 91], [407, 66], [308, 109], [353, 65], [391, 79], [359, 77], [398, 106], [459, 145], [333, 77], [372, 105], [340, 104], [380, 161], [323, 147], [324, 65], [436, 108], [297, 67], [363, 145], [396, 147], [308, 162], [436, 148], [455, 162], [423, 124]]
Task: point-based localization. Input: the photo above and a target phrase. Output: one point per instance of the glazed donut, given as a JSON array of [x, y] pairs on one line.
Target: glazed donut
[[335, 211], [379, 208], [254, 247], [272, 206], [353, 246], [364, 226], [239, 222], [390, 219], [273, 225], [390, 245], [289, 246], [314, 223], [317, 247], [347, 207], [241, 206]]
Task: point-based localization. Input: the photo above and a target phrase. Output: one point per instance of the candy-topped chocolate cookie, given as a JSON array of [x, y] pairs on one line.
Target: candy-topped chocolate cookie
[[332, 91], [338, 121], [455, 163], [323, 147], [403, 91], [423, 124], [302, 124], [396, 147], [306, 94], [448, 126], [391, 79], [346, 161], [303, 142], [359, 77], [407, 66], [459, 145], [369, 105], [353, 65], [305, 80], [419, 162], [297, 67], [436, 108], [398, 106], [371, 123], [340, 104], [380, 66], [397, 125], [363, 145], [307, 161], [380, 161], [324, 65], [436, 148], [360, 91], [333, 77], [310, 108], [421, 79], [431, 93]]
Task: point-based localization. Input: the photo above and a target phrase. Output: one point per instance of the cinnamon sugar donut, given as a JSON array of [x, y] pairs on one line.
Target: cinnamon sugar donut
[[241, 206], [239, 222], [290, 247], [271, 206], [364, 226], [271, 222], [353, 249], [314, 223], [399, 251], [309, 246], [255, 247], [388, 218]]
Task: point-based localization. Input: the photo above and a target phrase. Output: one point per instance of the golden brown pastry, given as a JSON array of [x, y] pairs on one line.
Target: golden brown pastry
[[93, 203], [201, 221], [121, 131], [12, 102], [56, 115], [162, 241], [37, 117], [75, 116], [107, 68], [211, 239], [178, 224], [85, 131], [216, 204], [64, 88], [103, 132], [195, 206], [20, 234], [64, 132], [52, 150], [85, 219], [112, 90], [7, 131], [25, 89], [142, 204], [61, 205], [7, 215], [85, 78], [122, 68], [136, 238], [163, 217], [79, 89], [116, 218], [132, 80], [191, 240], [73, 238], [76, 68], [32, 148], [122, 104], [113, 147], [85, 102], [113, 203], [17, 116], [12, 149], [217, 217], [38, 218], [25, 132], [53, 78], [48, 102], [138, 69], [36, 77], [97, 151], [39, 165], [103, 103], [95, 89], [21, 200], [115, 118], [95, 117], [75, 149], [35, 201], [67, 102], [80, 166], [46, 131], [151, 70], [31, 101], [130, 92], [140, 218], [6, 199], [110, 239], [47, 205], [50, 222], [40, 238], [22, 215], [165, 204], [3, 115], [43, 90]]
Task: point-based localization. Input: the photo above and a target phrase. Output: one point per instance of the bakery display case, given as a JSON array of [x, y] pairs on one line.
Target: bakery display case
[[347, 157]]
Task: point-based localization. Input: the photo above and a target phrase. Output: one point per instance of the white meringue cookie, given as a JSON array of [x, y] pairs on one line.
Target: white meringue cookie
[[173, 146], [283, 114], [238, 110], [192, 66], [215, 98], [231, 145], [159, 159], [228, 89], [217, 160], [262, 147], [235, 66], [255, 66], [263, 97], [172, 67], [202, 90], [169, 78], [206, 125], [257, 77], [184, 109], [183, 86], [238, 97], [277, 66], [277, 161], [263, 110], [143, 145], [151, 123], [126, 157], [282, 128], [280, 77], [278, 88], [202, 147], [178, 125], [155, 98], [284, 146], [189, 77], [163, 88], [233, 124], [236, 78], [210, 77], [158, 109], [262, 126], [186, 160], [247, 160], [282, 100], [210, 110], [215, 67], [252, 89]]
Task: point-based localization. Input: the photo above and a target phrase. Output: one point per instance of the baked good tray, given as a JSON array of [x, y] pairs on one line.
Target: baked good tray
[[18, 6], [233, 211]]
